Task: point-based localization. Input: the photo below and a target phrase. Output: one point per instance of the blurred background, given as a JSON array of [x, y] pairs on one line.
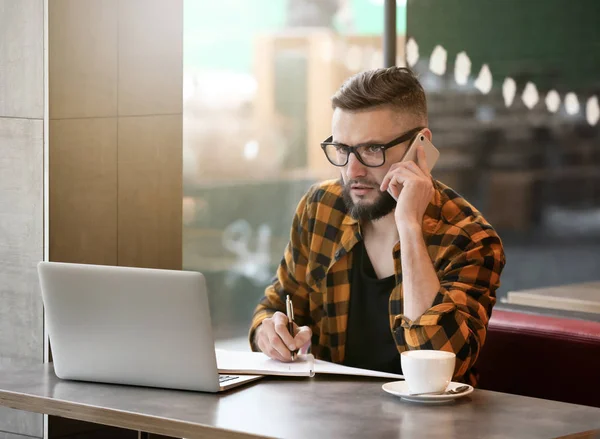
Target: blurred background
[[512, 90], [113, 112]]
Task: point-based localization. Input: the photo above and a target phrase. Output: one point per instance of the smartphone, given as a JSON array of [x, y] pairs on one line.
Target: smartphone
[[431, 153]]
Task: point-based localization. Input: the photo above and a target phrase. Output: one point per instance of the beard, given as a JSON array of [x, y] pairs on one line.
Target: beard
[[383, 204]]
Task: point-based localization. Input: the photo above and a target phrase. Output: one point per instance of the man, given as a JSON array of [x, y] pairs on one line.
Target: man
[[369, 276]]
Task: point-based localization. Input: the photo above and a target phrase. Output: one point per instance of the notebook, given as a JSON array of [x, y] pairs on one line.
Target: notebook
[[257, 363]]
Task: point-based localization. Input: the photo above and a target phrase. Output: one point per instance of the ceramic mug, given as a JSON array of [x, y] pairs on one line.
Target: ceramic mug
[[427, 371]]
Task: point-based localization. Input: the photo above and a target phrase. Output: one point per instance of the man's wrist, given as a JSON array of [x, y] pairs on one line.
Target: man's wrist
[[407, 228]]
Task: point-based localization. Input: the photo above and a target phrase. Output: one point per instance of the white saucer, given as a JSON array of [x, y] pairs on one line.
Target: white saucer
[[400, 388]]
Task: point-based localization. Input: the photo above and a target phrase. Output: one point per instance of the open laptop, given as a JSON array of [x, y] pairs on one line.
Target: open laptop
[[135, 326]]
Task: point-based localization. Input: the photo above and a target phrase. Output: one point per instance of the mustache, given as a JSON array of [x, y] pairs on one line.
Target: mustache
[[362, 182]]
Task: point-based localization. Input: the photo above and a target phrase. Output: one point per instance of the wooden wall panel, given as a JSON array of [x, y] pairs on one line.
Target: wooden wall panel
[[150, 191], [83, 190], [82, 59]]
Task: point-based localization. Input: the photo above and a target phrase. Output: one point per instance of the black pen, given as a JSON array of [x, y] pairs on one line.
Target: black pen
[[289, 309]]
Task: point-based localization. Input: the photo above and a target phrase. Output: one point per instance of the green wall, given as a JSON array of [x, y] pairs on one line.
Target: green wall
[[554, 42]]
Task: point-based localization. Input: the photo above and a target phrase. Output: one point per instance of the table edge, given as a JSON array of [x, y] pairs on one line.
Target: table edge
[[116, 418], [530, 299]]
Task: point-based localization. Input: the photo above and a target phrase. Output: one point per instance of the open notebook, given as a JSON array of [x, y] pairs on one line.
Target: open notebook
[[257, 363]]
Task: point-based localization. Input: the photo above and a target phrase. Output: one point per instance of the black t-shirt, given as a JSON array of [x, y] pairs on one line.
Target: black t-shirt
[[369, 340]]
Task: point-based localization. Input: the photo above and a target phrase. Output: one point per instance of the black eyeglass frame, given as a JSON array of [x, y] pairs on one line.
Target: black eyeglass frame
[[354, 149]]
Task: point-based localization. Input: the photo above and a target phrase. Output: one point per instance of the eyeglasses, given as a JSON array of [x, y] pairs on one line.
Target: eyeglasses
[[371, 155]]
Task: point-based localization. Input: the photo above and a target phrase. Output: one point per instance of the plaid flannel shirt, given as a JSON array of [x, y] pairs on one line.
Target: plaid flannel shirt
[[315, 271]]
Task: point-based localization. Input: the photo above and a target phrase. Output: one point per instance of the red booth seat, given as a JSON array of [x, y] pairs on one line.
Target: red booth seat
[[543, 357]]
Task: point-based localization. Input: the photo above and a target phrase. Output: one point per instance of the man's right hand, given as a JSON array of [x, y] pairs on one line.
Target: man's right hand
[[273, 338]]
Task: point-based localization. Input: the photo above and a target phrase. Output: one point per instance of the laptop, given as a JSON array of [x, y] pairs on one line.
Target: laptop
[[134, 326]]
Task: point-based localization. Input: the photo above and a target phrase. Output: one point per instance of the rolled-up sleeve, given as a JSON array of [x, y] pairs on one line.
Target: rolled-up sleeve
[[458, 317]]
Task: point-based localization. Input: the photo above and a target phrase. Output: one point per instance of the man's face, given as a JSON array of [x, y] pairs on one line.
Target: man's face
[[361, 183]]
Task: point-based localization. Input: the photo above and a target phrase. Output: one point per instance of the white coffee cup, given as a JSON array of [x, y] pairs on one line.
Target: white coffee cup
[[427, 371]]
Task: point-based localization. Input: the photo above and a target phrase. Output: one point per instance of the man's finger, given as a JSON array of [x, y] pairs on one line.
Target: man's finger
[[272, 353], [277, 344], [303, 336], [415, 169], [387, 180], [396, 179], [280, 321], [266, 348], [281, 329], [304, 349]]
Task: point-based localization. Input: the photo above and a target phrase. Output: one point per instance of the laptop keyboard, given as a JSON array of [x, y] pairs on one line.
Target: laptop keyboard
[[225, 378]]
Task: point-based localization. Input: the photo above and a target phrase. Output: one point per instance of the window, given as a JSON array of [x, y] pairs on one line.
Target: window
[[258, 76]]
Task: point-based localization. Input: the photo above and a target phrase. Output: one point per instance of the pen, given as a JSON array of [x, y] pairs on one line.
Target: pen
[[289, 308]]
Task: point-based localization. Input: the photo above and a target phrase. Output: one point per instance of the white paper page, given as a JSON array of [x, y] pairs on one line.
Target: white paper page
[[338, 369], [257, 363]]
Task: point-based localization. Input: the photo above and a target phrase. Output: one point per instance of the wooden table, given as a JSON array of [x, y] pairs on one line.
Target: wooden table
[[325, 406], [583, 297]]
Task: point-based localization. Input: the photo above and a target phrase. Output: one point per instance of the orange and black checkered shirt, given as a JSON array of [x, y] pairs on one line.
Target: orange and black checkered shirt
[[315, 271]]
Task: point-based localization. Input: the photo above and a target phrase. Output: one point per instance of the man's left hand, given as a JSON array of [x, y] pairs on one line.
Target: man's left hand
[[412, 186]]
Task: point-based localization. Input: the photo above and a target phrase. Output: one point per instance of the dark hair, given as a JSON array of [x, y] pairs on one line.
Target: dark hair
[[397, 87]]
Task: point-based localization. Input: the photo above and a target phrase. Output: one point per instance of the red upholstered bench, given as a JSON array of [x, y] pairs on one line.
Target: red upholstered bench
[[540, 356]]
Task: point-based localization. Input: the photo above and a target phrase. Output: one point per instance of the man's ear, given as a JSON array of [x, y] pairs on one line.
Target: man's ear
[[427, 132]]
